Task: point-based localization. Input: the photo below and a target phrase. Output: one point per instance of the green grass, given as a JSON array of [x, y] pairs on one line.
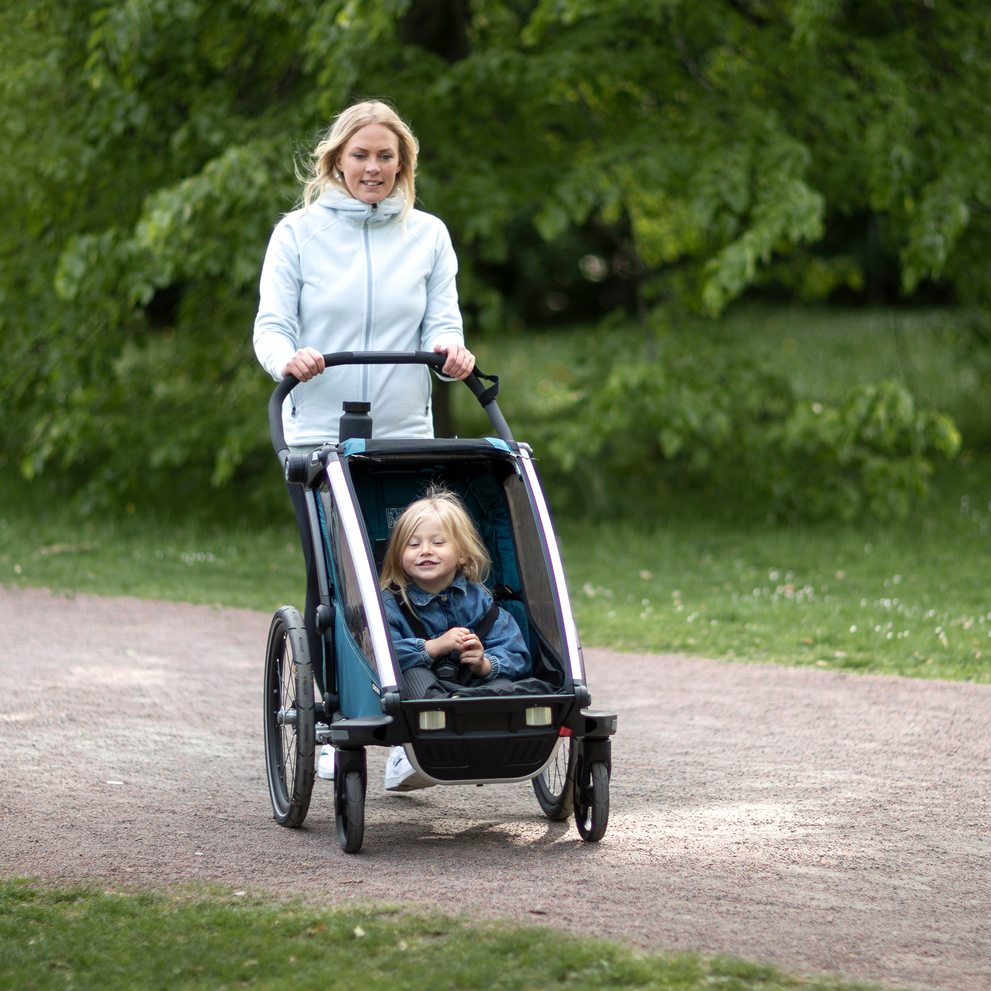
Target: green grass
[[822, 599], [825, 353], [86, 938], [44, 543], [815, 582], [822, 352], [909, 599]]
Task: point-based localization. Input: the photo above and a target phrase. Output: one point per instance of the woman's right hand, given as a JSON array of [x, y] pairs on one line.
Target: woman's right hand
[[304, 364]]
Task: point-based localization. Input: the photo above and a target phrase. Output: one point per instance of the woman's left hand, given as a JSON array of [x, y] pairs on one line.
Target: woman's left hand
[[460, 361]]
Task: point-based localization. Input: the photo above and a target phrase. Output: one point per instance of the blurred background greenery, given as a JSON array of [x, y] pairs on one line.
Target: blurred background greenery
[[739, 249], [645, 164]]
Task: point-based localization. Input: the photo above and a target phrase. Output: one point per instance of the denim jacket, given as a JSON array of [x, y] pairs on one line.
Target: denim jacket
[[462, 603]]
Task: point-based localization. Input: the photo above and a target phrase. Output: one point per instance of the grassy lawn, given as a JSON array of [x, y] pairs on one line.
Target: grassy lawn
[[700, 575], [822, 352], [711, 578], [43, 543], [910, 599], [88, 938]]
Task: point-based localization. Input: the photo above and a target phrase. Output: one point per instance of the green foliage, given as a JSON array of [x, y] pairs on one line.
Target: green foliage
[[705, 148], [871, 452], [693, 407]]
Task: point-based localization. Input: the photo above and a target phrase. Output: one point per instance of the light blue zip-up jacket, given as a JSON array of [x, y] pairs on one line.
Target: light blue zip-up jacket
[[346, 276]]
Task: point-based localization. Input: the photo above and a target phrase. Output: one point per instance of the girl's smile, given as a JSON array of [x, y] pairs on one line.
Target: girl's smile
[[429, 557]]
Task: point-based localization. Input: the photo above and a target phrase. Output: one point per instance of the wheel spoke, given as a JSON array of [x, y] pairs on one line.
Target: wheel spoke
[[557, 773], [288, 733], [289, 729]]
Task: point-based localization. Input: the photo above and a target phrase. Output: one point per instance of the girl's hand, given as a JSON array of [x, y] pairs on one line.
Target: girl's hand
[[474, 658], [304, 364], [456, 638], [460, 361]]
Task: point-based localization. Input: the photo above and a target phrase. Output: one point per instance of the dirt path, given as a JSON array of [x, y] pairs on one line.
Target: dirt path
[[824, 822]]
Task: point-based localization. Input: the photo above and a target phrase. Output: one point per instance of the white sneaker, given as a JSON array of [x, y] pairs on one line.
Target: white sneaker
[[325, 763], [400, 775]]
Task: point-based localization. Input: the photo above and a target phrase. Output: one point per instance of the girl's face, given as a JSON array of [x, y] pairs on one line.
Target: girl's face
[[429, 557], [370, 163]]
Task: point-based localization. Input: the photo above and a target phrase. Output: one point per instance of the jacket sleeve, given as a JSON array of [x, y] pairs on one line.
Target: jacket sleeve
[[442, 322], [409, 647], [277, 325], [505, 648]]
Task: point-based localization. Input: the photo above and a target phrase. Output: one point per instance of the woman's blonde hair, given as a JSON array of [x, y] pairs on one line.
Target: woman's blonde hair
[[324, 171], [447, 506]]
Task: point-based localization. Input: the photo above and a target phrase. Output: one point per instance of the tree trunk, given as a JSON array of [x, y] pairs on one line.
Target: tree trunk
[[443, 418], [440, 26]]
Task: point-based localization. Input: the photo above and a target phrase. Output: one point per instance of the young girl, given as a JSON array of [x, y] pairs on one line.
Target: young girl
[[433, 566], [432, 575]]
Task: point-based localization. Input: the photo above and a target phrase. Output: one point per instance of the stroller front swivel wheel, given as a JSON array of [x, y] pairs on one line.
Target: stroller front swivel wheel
[[289, 718], [350, 782], [591, 798]]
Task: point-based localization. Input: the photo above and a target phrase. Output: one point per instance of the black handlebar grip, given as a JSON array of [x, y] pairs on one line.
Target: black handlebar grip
[[431, 358]]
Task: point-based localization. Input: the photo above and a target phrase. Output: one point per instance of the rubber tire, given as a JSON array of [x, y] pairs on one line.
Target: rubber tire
[[349, 802], [554, 786], [289, 749], [591, 800]]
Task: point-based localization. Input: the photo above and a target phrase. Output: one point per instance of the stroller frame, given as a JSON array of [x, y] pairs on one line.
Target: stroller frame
[[353, 490]]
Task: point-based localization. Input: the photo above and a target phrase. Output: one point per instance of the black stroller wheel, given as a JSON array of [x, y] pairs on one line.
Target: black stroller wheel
[[349, 799], [591, 799], [554, 786], [289, 718]]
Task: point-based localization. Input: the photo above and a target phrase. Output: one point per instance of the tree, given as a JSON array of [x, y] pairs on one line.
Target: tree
[[706, 146]]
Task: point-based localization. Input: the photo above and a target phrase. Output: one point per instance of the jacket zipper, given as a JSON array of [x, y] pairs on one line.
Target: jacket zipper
[[367, 330]]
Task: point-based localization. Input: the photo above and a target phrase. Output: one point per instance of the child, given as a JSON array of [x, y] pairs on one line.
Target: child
[[431, 579]]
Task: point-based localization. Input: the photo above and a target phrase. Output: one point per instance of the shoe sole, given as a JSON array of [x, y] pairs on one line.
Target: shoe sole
[[412, 783]]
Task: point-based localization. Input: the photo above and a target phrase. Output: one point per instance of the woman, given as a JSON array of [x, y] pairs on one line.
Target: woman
[[357, 268]]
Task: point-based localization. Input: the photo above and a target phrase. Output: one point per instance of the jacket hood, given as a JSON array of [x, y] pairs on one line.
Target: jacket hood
[[362, 214]]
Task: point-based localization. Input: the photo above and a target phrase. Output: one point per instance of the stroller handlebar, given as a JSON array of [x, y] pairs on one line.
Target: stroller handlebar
[[486, 395]]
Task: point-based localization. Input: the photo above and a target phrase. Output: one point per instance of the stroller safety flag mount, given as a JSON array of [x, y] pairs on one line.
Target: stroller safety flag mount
[[352, 695]]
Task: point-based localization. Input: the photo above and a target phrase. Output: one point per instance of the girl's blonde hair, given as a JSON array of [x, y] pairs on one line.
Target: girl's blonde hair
[[447, 506], [324, 171]]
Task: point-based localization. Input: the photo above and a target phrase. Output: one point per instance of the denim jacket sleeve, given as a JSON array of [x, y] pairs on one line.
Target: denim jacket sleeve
[[504, 645], [409, 647]]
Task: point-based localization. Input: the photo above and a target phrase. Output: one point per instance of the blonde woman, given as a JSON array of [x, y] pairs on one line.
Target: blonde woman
[[357, 268]]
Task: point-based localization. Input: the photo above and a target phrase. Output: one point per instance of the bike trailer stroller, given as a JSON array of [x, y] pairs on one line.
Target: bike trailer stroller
[[354, 491]]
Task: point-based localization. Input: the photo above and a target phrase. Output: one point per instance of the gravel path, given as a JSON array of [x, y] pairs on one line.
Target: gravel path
[[820, 821]]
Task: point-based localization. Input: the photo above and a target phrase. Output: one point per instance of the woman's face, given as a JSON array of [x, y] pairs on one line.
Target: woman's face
[[370, 163]]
